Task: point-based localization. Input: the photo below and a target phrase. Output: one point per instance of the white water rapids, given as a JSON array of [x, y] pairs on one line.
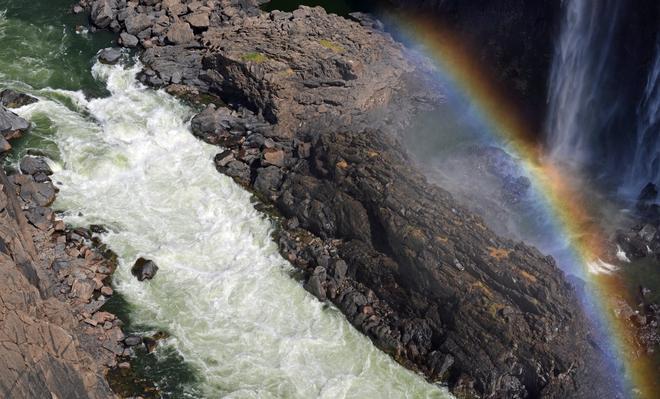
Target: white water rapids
[[129, 162]]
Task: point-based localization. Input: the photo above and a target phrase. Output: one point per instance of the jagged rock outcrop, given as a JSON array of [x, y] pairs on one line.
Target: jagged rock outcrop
[[49, 349], [313, 98]]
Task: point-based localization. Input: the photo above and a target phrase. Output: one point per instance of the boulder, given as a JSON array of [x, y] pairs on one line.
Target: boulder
[[110, 56], [103, 12], [128, 40], [180, 33], [273, 156], [268, 179], [14, 99], [136, 23], [33, 165], [144, 269], [222, 159], [198, 20], [11, 125]]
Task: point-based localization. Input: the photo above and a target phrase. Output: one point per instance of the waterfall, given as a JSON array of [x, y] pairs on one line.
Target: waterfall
[[579, 110], [645, 167]]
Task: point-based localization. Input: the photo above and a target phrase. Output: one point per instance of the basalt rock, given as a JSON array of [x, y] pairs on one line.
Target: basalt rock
[[144, 269]]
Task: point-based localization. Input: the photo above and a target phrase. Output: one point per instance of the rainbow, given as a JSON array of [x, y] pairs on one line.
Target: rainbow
[[564, 202]]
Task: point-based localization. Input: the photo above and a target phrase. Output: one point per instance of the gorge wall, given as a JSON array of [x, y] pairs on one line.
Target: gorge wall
[[311, 97]]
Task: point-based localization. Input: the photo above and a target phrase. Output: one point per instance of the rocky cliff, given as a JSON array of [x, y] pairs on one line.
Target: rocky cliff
[[54, 341], [315, 102]]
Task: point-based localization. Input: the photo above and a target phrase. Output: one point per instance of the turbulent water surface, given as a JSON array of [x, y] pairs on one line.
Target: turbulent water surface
[[239, 323]]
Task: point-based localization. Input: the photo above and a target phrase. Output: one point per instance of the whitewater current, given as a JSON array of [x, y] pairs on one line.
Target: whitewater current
[[246, 327]]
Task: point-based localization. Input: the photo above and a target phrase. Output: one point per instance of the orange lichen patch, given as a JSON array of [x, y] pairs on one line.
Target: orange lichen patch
[[285, 73], [342, 164], [498, 253], [334, 46], [493, 308], [416, 236], [527, 276], [481, 287]]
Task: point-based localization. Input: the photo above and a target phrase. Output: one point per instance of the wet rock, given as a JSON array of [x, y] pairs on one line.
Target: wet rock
[[110, 55], [128, 40], [14, 99], [32, 165], [144, 269], [180, 33], [12, 125], [133, 340]]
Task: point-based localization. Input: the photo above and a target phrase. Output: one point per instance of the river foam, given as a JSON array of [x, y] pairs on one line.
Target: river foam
[[129, 162]]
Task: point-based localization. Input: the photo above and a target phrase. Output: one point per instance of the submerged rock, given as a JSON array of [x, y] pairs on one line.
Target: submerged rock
[[144, 269]]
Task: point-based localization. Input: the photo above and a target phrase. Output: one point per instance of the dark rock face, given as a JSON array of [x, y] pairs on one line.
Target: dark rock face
[[313, 99], [144, 269], [515, 38], [13, 99]]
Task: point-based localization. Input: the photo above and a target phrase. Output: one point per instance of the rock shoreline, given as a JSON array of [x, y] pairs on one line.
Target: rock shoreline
[[56, 340], [318, 105]]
